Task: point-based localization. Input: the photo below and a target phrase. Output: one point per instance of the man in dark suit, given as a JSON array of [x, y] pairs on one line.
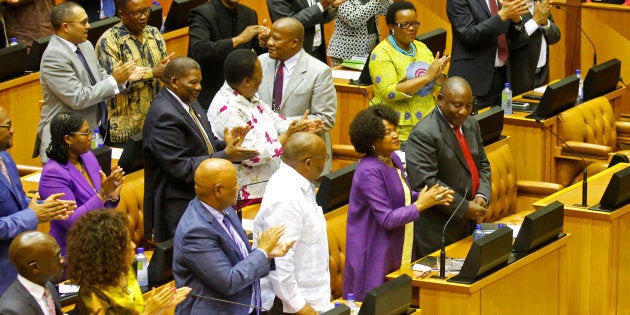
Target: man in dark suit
[[211, 252], [313, 15], [177, 137], [17, 213], [480, 43], [529, 62], [38, 259], [446, 149], [98, 9], [217, 28], [71, 77]]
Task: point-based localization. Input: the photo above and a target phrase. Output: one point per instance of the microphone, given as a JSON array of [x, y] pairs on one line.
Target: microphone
[[573, 20], [358, 85], [584, 172], [443, 248], [239, 198], [226, 301]]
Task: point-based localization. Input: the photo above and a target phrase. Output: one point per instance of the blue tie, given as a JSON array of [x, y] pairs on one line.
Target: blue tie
[[102, 106], [240, 245], [108, 8]]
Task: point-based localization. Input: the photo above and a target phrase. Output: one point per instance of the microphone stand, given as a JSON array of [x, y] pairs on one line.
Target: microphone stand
[[582, 30], [443, 247], [226, 301], [584, 171]]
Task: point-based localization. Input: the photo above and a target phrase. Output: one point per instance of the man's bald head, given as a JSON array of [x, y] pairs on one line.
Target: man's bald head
[[36, 256], [306, 153], [456, 85], [215, 183], [455, 100]]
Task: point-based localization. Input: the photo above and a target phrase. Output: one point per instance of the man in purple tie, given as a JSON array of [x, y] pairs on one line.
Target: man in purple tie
[[211, 252]]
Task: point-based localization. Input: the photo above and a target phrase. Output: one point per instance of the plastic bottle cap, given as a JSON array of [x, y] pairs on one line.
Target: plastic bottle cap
[[140, 250], [578, 71], [350, 296], [478, 227], [96, 130], [507, 84]]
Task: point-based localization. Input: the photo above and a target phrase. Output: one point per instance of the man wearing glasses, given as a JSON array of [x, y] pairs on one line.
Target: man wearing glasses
[[71, 77], [132, 40]]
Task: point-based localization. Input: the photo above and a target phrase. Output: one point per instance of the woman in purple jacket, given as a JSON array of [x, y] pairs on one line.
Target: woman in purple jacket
[[382, 206], [74, 170]]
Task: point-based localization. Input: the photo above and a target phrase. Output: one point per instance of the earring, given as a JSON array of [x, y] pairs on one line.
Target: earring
[[393, 32], [374, 149]]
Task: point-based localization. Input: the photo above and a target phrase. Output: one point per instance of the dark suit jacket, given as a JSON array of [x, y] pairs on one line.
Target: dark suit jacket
[[524, 58], [308, 15], [173, 148], [15, 218], [92, 8], [434, 156], [206, 259], [18, 301], [210, 41], [475, 33]]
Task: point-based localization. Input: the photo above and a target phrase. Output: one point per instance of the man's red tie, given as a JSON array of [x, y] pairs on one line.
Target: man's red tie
[[463, 144], [501, 41], [277, 87]]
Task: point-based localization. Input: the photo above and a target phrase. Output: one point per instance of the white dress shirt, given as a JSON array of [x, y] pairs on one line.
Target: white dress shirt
[[302, 275], [37, 291]]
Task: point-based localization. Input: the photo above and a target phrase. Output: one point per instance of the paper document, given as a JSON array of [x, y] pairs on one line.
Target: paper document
[[346, 74]]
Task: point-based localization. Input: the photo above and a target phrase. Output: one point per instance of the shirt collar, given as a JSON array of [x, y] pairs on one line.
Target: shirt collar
[[215, 213], [290, 63], [124, 34], [33, 288], [70, 45], [301, 181], [179, 100]]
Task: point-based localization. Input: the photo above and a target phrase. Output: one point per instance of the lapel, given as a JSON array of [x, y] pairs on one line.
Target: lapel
[[298, 75], [450, 139], [53, 292], [28, 298], [203, 120], [75, 63], [218, 226], [485, 7], [82, 183], [186, 116], [269, 70], [4, 181], [236, 223]]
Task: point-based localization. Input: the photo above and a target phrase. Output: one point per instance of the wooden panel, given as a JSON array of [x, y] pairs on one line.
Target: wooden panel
[[350, 101]]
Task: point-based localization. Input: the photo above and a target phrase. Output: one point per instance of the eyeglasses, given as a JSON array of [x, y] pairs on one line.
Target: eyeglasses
[[324, 157], [407, 25], [87, 133], [137, 14], [84, 22], [8, 126]]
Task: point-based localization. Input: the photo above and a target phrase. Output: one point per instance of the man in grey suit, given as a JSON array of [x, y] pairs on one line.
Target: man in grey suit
[[446, 149], [312, 14], [294, 81], [38, 259], [71, 77]]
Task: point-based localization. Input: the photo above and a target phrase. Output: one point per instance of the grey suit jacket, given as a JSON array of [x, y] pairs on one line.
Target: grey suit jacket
[[18, 301], [524, 58], [433, 156], [310, 87], [66, 87]]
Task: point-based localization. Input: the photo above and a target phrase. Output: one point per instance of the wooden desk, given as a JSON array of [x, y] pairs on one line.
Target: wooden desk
[[350, 101], [535, 144], [535, 284], [598, 274]]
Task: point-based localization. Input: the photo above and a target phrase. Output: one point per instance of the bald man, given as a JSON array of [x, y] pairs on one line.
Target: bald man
[[212, 254], [301, 280], [303, 82], [38, 259], [436, 156], [18, 213]]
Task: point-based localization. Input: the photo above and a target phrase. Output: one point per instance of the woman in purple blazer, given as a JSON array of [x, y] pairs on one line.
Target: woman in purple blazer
[[74, 170], [382, 206]]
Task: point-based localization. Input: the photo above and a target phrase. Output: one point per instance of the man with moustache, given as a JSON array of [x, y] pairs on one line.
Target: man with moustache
[[38, 259], [17, 213], [71, 77], [294, 81], [133, 39], [177, 137], [446, 149]]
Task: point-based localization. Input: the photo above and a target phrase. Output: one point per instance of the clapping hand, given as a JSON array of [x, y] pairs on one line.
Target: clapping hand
[[234, 139], [52, 208]]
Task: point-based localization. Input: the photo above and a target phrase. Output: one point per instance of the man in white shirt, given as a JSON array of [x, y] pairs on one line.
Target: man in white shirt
[[37, 257], [301, 281]]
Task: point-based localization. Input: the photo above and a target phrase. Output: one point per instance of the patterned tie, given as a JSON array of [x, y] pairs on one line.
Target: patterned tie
[[243, 249], [50, 304], [192, 112], [278, 85], [5, 172], [102, 106], [463, 144], [501, 41]]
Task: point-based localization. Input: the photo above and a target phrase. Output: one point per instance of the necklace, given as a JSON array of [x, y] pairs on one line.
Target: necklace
[[80, 167], [124, 288], [384, 159], [411, 52]]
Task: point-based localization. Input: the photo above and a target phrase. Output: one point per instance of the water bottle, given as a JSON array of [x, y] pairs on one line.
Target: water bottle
[[578, 74], [354, 308], [13, 41], [142, 273], [97, 139], [506, 99], [478, 233]]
